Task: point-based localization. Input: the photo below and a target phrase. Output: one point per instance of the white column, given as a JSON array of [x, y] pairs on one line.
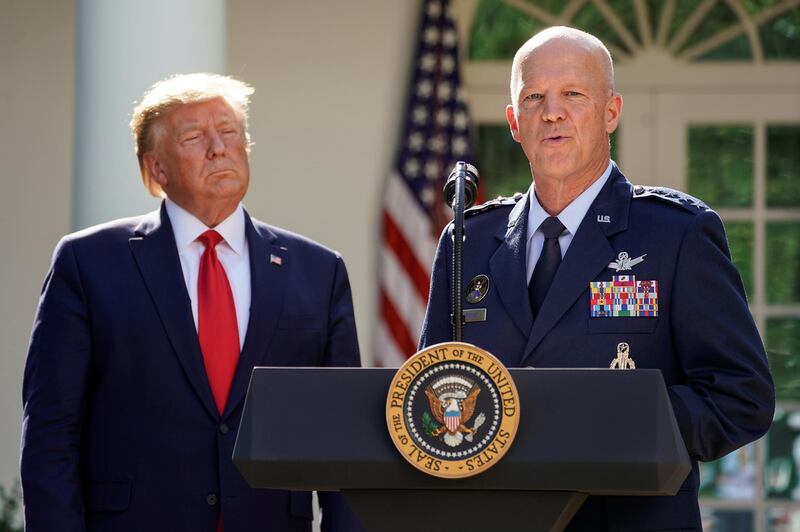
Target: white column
[[123, 48]]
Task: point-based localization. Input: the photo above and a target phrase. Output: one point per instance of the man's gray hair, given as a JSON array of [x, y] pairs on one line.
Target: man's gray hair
[[177, 90]]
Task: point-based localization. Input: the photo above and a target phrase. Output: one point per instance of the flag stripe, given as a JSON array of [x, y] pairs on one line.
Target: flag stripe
[[416, 273], [387, 354], [415, 225], [402, 293], [398, 331], [436, 134]]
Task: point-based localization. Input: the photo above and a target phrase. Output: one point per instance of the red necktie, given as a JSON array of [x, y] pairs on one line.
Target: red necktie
[[216, 321]]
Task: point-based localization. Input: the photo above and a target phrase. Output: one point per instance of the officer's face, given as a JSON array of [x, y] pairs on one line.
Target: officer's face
[[200, 159], [564, 111]]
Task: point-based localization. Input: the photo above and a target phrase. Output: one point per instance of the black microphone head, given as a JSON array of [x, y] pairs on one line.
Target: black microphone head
[[471, 180]]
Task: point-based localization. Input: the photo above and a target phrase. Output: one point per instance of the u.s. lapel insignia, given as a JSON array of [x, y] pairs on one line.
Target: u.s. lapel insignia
[[275, 259], [623, 360], [477, 289], [624, 262]]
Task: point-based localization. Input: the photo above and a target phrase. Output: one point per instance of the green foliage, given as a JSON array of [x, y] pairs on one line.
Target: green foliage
[[783, 166], [783, 350], [501, 162], [721, 165], [10, 507], [429, 426], [740, 241], [783, 256], [499, 30]]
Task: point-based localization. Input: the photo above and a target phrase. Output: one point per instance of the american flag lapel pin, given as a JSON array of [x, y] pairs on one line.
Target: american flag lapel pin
[[276, 260]]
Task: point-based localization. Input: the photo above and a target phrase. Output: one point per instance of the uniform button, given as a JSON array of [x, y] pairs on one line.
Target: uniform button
[[211, 499], [639, 189], [224, 428]]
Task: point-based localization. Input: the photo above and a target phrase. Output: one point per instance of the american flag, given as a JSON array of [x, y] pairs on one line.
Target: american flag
[[436, 135]]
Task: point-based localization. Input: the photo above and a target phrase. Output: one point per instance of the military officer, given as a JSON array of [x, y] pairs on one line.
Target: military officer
[[586, 261]]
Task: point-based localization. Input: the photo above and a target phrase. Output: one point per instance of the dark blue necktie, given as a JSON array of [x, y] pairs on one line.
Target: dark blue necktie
[[547, 265]]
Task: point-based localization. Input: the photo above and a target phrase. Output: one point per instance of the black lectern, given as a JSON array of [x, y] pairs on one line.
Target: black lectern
[[581, 432]]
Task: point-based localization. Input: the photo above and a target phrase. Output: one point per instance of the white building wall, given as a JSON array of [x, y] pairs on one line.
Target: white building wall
[[330, 81], [37, 74]]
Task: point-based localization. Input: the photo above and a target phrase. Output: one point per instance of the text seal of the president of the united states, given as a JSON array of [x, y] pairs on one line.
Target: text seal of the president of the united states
[[452, 410]]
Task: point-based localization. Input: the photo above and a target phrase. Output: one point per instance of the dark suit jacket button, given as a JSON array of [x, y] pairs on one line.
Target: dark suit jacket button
[[211, 499], [224, 428]]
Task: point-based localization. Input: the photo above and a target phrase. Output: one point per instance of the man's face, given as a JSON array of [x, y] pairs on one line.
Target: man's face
[[200, 158], [563, 112]]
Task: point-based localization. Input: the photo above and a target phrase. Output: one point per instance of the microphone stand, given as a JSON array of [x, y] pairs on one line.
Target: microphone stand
[[458, 252]]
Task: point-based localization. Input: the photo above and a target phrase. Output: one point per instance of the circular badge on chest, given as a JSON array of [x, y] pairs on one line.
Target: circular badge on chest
[[452, 410]]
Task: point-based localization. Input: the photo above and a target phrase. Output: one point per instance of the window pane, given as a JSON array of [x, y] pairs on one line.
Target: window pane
[[779, 36], [721, 165], [499, 30], [502, 164], [783, 262], [783, 165], [718, 520], [720, 18], [731, 477], [740, 241], [783, 348], [783, 456], [590, 19], [783, 519]]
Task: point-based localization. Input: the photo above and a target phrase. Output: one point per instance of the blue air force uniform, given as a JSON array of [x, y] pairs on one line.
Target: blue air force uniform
[[681, 308]]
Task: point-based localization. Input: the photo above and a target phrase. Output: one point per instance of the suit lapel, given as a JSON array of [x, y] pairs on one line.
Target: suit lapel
[[156, 255], [268, 280], [507, 267], [589, 253]]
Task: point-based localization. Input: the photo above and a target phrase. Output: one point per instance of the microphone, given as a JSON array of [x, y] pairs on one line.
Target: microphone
[[471, 179]]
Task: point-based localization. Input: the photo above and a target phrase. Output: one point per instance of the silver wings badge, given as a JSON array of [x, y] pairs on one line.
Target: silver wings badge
[[624, 262]]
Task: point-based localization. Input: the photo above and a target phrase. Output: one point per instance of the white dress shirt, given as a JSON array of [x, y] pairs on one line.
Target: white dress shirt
[[233, 253], [571, 217]]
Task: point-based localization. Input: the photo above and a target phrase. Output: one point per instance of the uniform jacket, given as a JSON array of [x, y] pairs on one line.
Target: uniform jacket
[[120, 429], [703, 339]]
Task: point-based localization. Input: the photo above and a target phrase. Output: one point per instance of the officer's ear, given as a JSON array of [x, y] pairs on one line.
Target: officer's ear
[[613, 111], [511, 117]]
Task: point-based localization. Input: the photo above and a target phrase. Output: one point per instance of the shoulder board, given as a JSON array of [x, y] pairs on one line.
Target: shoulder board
[[500, 201], [676, 197]]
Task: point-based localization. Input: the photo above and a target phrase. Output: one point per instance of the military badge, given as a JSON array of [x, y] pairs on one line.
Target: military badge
[[623, 296], [623, 360], [452, 410], [625, 262], [477, 289]]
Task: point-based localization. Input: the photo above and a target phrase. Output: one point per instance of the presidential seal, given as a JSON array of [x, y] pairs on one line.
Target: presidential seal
[[452, 410]]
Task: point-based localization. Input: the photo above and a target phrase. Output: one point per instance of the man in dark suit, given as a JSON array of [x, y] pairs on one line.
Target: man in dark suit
[[148, 328], [585, 261]]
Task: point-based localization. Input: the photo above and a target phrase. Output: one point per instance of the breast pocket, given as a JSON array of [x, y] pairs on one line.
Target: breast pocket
[[622, 325]]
